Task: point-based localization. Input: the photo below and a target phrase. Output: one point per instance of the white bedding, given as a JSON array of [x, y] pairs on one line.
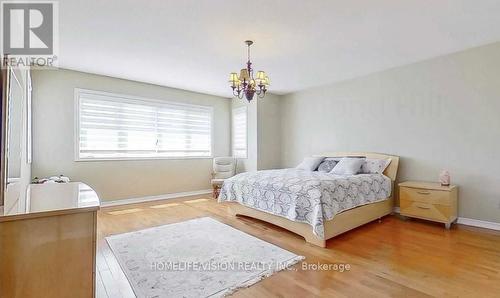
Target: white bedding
[[305, 196]]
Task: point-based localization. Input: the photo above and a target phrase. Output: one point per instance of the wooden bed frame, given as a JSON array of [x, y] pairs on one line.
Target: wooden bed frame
[[343, 221]]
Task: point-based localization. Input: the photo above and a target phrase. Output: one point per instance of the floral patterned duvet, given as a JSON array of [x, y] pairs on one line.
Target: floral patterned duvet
[[305, 196]]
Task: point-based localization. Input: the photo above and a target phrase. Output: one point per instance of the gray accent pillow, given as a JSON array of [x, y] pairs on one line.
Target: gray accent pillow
[[348, 166], [375, 166], [327, 165], [310, 163]]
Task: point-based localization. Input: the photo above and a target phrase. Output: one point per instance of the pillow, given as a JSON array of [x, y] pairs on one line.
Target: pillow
[[327, 165], [348, 166], [375, 165], [310, 163]]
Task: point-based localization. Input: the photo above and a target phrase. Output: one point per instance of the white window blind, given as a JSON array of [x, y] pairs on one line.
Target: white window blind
[[239, 131], [111, 126]]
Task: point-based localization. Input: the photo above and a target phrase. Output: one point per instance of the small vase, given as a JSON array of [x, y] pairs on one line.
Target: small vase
[[444, 178]]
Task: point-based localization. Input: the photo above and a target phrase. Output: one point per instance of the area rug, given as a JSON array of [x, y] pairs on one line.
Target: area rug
[[196, 258]]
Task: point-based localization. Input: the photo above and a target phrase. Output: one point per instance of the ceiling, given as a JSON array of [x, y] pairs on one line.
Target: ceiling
[[194, 44]]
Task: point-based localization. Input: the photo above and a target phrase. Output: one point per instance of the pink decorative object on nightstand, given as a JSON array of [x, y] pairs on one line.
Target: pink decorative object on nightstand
[[444, 178]]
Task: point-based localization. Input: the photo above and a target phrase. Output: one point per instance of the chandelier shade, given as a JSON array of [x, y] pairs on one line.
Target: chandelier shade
[[233, 78], [246, 85], [244, 75], [261, 75]]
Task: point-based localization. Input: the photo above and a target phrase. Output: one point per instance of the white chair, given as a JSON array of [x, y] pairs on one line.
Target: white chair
[[223, 168]]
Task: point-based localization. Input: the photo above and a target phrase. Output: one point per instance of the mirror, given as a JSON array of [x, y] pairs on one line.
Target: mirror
[[16, 168], [13, 141], [14, 128]]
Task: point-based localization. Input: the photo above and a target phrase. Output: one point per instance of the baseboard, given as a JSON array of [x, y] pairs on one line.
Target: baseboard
[[155, 198], [479, 223], [471, 222]]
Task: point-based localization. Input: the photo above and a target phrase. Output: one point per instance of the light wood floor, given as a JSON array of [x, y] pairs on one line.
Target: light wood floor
[[392, 258]]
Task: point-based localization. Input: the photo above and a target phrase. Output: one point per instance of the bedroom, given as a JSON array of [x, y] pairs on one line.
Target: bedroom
[[366, 167]]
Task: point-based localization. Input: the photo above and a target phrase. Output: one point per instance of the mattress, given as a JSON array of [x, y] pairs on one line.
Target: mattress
[[305, 196]]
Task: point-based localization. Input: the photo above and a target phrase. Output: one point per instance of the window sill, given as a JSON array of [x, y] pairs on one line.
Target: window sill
[[140, 158]]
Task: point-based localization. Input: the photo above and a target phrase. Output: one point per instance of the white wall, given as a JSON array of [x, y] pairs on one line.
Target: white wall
[[269, 132], [439, 114], [53, 138]]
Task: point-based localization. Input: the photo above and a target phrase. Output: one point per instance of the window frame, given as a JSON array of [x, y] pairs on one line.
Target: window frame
[[233, 132], [132, 99]]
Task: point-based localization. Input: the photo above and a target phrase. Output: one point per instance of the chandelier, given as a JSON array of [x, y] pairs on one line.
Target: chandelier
[[245, 84]]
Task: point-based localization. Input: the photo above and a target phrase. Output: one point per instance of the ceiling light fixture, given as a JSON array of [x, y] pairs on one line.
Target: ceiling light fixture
[[245, 84]]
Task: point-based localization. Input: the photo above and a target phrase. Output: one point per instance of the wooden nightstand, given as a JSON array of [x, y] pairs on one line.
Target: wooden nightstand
[[428, 200]]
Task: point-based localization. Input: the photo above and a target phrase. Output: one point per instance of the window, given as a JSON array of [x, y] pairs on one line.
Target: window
[[239, 131], [112, 126]]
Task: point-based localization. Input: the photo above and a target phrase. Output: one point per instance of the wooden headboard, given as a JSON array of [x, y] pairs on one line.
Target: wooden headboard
[[391, 171]]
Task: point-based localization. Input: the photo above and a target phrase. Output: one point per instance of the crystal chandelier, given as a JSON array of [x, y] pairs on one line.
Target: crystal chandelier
[[245, 84]]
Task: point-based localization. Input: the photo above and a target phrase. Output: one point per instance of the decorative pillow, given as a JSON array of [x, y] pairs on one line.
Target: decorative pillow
[[375, 166], [348, 166], [310, 163], [327, 165]]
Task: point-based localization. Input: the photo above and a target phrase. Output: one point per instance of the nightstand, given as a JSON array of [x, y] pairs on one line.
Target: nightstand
[[428, 200]]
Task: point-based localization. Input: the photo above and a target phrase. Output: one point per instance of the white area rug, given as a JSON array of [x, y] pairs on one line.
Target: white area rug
[[196, 258]]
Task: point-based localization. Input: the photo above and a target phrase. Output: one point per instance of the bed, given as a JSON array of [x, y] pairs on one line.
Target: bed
[[317, 206]]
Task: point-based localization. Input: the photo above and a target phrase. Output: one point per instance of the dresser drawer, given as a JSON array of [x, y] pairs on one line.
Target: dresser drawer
[[426, 196], [423, 210]]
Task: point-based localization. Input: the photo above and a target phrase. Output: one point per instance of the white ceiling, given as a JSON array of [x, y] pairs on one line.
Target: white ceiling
[[194, 44]]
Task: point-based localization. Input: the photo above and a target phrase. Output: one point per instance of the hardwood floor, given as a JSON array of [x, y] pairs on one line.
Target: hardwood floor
[[393, 258]]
